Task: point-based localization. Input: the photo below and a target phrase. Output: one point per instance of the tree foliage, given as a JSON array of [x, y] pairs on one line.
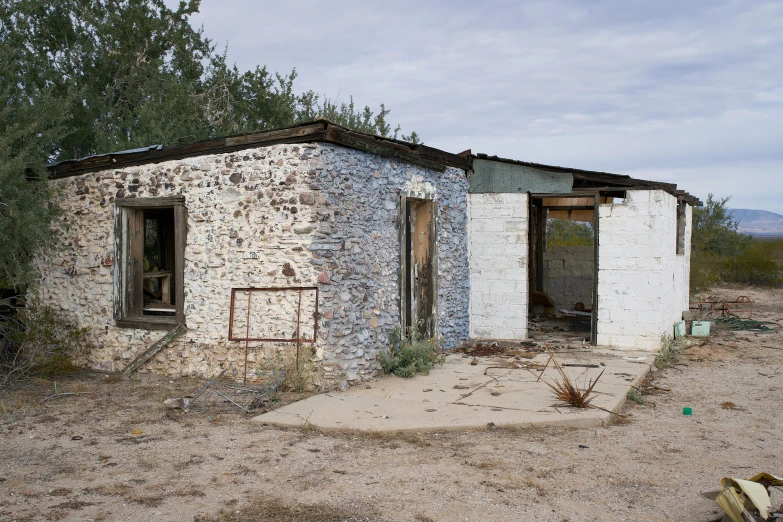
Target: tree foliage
[[144, 75], [562, 232], [719, 252], [714, 230], [81, 77], [32, 121]]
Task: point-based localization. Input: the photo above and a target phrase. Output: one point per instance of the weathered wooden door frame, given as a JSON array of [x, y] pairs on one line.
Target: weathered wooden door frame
[[405, 255], [536, 274]]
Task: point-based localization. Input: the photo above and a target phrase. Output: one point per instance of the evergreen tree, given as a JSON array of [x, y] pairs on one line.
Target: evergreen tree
[[81, 77]]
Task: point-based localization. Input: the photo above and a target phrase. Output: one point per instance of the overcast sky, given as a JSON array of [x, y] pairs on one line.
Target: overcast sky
[[684, 91]]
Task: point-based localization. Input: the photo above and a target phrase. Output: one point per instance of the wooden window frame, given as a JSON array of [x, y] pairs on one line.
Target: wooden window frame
[[681, 224], [128, 222]]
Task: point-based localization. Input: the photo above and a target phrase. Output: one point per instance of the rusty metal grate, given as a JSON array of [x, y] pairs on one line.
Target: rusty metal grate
[[251, 330]]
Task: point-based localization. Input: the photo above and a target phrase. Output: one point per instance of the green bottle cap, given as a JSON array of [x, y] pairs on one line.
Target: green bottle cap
[[687, 411]]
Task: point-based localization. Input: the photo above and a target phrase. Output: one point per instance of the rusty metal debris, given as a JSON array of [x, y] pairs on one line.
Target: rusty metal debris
[[57, 395], [298, 336], [526, 349], [222, 395], [741, 307]]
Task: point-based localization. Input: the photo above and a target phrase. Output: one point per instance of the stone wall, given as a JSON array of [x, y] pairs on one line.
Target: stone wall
[[284, 215], [642, 282], [568, 275], [357, 246], [498, 246]]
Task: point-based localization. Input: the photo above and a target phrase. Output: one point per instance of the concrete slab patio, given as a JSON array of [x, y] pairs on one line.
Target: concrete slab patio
[[459, 395]]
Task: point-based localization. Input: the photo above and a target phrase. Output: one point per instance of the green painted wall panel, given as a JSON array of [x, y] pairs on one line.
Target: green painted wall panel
[[498, 177]]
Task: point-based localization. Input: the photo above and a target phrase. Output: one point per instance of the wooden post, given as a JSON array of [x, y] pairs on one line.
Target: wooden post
[[540, 244], [594, 318]]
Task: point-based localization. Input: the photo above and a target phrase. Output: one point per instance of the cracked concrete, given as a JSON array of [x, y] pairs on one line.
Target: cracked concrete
[[459, 395]]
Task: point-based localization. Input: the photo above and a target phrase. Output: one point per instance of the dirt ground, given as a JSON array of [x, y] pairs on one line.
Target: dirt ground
[[113, 452]]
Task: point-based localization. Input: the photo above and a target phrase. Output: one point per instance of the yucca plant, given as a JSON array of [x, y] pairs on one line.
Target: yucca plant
[[566, 391]]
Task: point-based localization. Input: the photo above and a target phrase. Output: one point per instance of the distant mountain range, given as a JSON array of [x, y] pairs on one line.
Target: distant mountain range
[[758, 222]]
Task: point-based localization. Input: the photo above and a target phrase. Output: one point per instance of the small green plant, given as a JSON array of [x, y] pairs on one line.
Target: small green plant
[[636, 395], [669, 354], [410, 354]]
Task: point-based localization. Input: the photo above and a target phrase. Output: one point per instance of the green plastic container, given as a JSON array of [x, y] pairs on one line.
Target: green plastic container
[[687, 411], [700, 328], [679, 329]]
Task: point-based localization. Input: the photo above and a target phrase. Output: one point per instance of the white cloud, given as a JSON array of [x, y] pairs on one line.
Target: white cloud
[[689, 92]]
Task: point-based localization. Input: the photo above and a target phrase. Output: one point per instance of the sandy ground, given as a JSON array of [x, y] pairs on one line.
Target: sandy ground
[[136, 461]]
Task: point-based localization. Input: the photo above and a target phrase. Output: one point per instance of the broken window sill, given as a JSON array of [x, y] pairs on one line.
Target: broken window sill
[[147, 323]]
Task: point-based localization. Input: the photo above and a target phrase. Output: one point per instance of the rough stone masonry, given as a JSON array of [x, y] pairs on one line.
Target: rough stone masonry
[[284, 215]]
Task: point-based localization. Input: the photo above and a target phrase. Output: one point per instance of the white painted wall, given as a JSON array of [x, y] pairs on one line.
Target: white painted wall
[[498, 258], [642, 282]]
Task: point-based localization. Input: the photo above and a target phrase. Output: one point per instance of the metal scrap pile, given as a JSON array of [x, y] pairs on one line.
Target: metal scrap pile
[[222, 395]]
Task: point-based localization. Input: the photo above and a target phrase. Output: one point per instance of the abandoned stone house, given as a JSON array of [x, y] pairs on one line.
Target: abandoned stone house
[[319, 239]]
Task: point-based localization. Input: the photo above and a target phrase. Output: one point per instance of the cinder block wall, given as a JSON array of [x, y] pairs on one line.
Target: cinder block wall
[[568, 275], [642, 281], [498, 259]]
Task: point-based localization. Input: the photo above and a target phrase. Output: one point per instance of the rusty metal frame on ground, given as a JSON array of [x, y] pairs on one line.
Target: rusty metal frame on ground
[[247, 339], [741, 305]]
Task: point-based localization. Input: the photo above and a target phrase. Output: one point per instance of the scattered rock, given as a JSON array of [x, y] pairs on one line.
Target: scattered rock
[[288, 270], [181, 403]]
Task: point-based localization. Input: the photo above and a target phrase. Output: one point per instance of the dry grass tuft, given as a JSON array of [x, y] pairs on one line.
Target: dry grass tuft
[[567, 392]]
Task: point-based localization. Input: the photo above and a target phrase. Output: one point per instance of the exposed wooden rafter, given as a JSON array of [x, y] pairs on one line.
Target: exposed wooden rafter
[[318, 131]]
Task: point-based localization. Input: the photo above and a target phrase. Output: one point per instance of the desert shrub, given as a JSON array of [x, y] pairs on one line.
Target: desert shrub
[[635, 395], [715, 238], [301, 378], [669, 354], [564, 233], [704, 272], [759, 265], [37, 341], [567, 390], [409, 354], [721, 254]]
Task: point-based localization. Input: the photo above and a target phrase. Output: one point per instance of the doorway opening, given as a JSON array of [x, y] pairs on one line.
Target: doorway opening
[[563, 269], [418, 267]]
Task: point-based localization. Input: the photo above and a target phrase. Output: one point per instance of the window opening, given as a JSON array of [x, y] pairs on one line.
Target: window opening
[[158, 266], [150, 253], [681, 227]]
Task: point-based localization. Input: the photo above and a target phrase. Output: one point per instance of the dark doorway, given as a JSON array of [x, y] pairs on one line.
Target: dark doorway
[[563, 269]]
